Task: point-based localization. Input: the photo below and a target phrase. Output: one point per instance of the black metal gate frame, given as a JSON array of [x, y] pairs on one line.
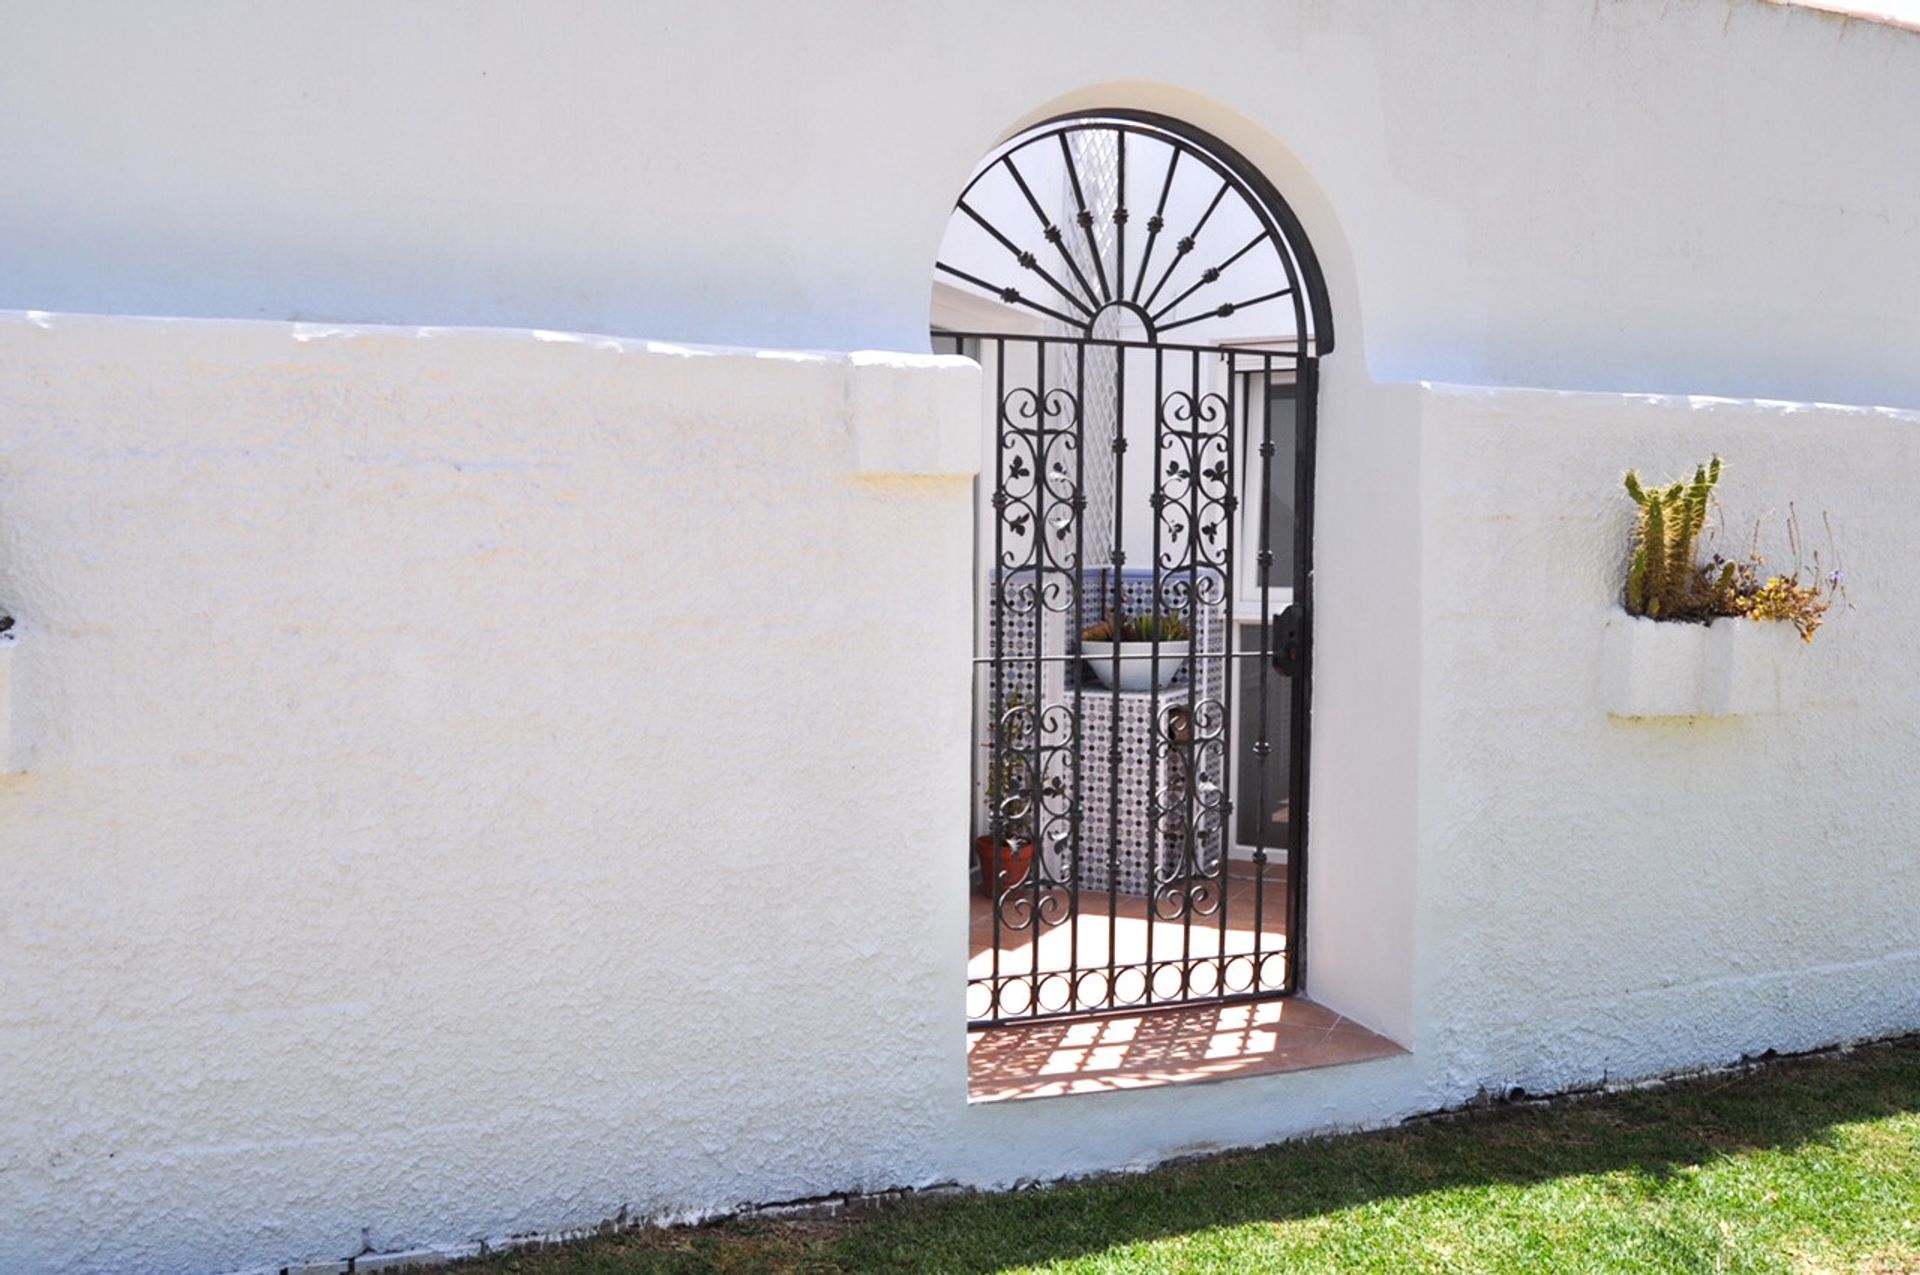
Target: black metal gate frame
[[1035, 425], [1040, 437]]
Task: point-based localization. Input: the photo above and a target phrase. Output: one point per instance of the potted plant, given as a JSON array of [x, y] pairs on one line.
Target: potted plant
[[1006, 859], [1135, 637], [1706, 638]]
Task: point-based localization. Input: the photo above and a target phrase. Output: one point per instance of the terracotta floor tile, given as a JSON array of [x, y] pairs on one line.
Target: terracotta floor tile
[[1127, 918], [1164, 1046], [1169, 1044]]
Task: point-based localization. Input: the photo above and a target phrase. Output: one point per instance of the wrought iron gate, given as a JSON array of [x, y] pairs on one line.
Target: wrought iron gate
[[1143, 663]]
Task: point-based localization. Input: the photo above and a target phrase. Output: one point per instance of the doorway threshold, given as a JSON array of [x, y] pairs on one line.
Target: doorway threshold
[[1170, 1045]]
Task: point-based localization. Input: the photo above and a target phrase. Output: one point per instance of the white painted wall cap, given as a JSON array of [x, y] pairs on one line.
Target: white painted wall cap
[[1516, 396], [914, 415], [307, 331]]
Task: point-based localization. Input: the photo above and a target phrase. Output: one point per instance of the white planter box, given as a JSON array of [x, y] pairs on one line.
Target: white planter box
[[1730, 668]]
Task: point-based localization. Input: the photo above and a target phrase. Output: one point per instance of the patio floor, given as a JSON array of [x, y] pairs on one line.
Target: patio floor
[[1137, 938], [1171, 1045], [1163, 1044]]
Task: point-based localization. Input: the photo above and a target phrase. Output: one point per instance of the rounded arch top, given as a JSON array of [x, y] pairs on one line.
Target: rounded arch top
[[1127, 216]]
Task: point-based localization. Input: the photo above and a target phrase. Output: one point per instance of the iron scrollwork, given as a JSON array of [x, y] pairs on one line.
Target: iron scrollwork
[[1110, 778]]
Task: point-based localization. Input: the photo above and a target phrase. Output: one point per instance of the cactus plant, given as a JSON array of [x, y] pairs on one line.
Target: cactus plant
[[1667, 581], [1158, 627], [1664, 578]]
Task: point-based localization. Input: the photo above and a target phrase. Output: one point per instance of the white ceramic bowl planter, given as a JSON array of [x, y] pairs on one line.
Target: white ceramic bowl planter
[[1136, 662], [1729, 668]]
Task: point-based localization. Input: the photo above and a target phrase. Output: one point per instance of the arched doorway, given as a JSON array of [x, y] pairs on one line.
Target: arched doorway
[[1150, 319]]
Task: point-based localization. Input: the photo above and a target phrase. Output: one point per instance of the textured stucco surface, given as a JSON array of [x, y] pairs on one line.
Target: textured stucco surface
[[481, 783], [489, 782], [1603, 897], [463, 767], [1730, 668], [1693, 195]]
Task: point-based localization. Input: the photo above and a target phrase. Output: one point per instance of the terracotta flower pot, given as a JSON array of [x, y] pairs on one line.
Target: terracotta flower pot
[[1003, 864]]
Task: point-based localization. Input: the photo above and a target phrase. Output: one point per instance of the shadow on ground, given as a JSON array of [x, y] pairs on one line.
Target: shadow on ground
[[1651, 1135]]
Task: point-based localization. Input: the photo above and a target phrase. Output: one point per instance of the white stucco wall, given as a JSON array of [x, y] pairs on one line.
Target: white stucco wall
[[481, 782], [1611, 897], [466, 765], [1700, 196], [454, 807], [478, 782], [1574, 897]]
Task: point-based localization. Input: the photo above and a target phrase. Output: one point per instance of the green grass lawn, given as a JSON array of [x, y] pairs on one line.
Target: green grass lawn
[[1806, 1165]]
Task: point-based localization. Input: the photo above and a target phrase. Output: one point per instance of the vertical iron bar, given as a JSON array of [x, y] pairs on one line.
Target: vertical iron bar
[[1193, 676], [1036, 810], [1231, 589], [1079, 626], [1117, 560], [1263, 744], [1306, 445], [996, 745], [1120, 215], [1157, 502]]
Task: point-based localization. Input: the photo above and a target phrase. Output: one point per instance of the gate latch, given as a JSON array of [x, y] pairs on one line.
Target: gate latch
[[1286, 641]]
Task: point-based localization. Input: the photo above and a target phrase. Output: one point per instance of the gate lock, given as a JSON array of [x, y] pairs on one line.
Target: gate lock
[[1286, 641]]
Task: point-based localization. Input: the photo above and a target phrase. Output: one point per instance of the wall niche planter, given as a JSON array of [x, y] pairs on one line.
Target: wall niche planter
[[1729, 668]]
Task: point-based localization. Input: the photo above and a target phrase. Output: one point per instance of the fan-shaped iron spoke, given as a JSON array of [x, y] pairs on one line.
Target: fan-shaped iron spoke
[[1155, 224], [1209, 276], [1231, 307], [1085, 217], [1024, 258], [1049, 231], [1009, 295], [1186, 244]]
